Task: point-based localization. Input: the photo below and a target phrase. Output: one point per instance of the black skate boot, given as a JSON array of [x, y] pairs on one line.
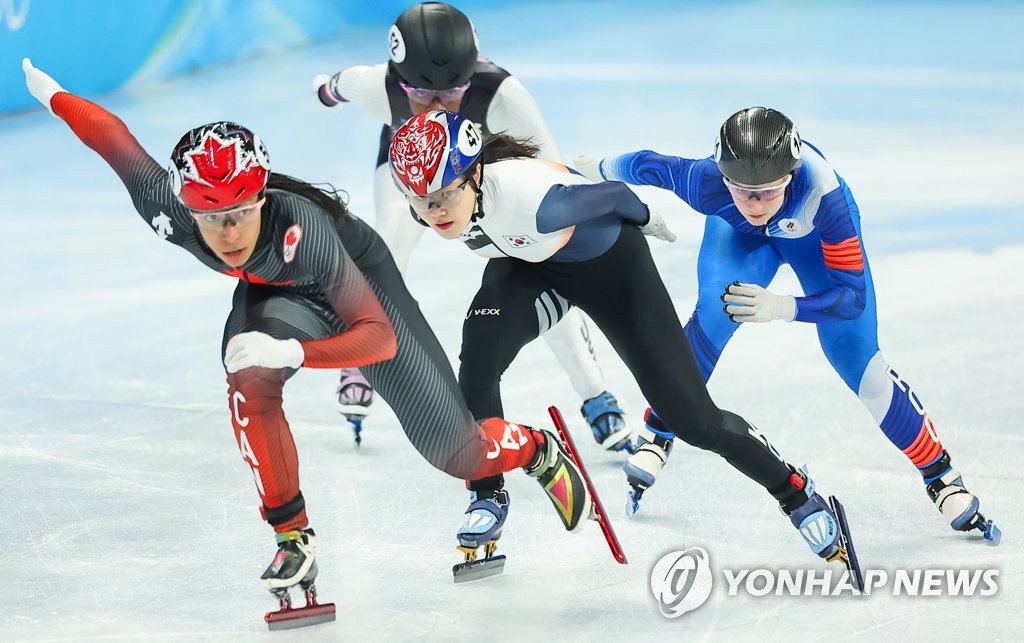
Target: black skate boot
[[562, 481], [295, 564]]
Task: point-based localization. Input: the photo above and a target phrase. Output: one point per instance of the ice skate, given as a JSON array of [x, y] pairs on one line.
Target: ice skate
[[562, 481], [484, 519], [606, 420], [822, 525], [354, 398], [958, 505], [597, 509], [295, 564], [653, 447]]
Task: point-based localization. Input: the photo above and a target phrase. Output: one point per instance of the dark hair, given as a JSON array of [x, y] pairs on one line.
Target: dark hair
[[324, 195], [498, 148], [503, 146]]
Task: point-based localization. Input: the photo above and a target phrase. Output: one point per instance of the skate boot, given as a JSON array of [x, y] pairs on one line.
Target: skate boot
[[653, 445], [822, 525], [295, 564], [819, 527], [354, 398], [484, 519], [604, 416], [958, 505], [561, 480]]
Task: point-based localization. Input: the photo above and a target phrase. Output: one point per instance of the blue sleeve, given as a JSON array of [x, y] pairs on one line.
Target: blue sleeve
[[846, 297], [680, 175], [567, 205]]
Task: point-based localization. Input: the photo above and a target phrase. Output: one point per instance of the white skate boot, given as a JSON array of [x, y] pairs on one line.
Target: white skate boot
[[354, 398], [642, 468], [959, 506]]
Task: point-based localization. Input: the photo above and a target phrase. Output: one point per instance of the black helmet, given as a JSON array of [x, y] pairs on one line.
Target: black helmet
[[757, 145], [433, 46]]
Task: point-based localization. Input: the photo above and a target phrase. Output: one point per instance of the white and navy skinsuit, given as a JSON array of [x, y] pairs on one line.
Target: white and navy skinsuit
[[498, 103], [554, 239]]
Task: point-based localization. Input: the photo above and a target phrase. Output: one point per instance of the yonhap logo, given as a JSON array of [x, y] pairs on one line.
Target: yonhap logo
[[681, 581]]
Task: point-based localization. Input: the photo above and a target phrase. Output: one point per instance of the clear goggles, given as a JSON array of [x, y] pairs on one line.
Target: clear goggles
[[427, 96], [217, 219], [766, 193], [446, 198]]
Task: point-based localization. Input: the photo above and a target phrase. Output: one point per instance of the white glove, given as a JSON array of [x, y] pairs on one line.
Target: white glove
[[259, 349], [752, 303], [656, 227], [589, 167], [40, 84], [322, 93]]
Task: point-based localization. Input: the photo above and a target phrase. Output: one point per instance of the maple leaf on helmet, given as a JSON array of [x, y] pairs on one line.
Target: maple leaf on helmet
[[217, 166]]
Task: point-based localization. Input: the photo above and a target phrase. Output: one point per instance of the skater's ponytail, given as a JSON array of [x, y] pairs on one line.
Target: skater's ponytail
[[324, 195], [503, 146]]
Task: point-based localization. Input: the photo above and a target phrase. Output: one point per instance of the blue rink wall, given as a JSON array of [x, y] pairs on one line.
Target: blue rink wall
[[99, 45]]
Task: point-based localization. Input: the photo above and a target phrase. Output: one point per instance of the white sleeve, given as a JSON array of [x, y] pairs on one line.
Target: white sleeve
[[364, 85], [514, 112]]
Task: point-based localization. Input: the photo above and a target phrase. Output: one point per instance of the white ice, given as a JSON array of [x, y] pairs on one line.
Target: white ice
[[127, 514]]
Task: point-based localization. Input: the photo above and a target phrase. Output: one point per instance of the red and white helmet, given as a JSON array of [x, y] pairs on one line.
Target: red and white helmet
[[433, 149], [217, 166]]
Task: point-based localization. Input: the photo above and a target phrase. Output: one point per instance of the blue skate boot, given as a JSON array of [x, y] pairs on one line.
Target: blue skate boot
[[653, 445], [958, 505], [822, 525], [484, 519], [354, 398], [604, 416]]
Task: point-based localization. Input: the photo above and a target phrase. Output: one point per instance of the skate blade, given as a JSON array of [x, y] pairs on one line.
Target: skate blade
[[354, 411], [620, 440], [289, 619], [633, 501], [849, 555], [477, 569], [357, 430], [595, 502], [990, 530]]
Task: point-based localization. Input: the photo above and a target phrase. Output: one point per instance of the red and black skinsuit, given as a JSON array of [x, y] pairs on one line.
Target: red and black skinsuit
[[331, 284]]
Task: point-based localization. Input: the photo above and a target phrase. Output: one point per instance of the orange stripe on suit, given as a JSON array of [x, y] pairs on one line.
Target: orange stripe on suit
[[845, 255], [926, 447]]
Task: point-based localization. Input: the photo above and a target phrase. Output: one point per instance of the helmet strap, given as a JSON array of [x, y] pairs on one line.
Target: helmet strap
[[417, 218], [479, 212]]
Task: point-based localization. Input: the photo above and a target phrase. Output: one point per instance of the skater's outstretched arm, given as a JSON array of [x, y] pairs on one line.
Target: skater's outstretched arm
[[370, 337], [147, 182]]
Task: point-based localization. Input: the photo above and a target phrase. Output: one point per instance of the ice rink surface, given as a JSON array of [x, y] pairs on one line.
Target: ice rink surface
[[127, 514]]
